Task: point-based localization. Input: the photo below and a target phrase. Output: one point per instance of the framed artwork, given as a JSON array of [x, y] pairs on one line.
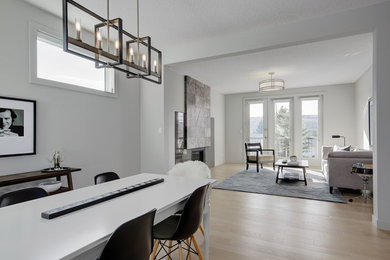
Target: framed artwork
[[17, 126], [371, 121]]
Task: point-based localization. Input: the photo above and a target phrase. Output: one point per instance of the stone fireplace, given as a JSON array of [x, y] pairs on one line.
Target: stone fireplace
[[198, 154]]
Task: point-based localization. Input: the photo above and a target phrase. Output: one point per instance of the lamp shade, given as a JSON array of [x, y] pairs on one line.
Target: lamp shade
[[271, 84]]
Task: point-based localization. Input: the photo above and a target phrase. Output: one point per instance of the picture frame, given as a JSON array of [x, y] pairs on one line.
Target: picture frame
[[17, 127], [371, 121]]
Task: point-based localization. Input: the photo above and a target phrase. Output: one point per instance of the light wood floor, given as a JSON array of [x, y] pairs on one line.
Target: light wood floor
[[256, 226]]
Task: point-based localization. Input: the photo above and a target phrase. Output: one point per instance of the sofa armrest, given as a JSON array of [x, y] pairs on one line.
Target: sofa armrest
[[325, 150]]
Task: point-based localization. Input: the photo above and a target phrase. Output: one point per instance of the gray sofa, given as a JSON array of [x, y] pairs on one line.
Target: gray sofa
[[337, 166]]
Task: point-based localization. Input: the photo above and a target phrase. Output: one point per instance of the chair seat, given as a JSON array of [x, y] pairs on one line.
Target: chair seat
[[262, 158], [166, 228]]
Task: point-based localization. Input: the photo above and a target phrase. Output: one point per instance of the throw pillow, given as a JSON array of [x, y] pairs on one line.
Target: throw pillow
[[341, 148]]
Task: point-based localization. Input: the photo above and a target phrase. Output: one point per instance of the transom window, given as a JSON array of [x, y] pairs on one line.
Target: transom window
[[52, 66]]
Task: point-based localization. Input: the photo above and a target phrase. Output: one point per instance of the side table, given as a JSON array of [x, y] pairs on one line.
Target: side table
[[364, 171], [39, 175]]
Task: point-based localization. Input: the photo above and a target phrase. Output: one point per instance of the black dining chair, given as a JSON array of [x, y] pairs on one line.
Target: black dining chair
[[105, 177], [181, 228], [131, 240], [22, 195]]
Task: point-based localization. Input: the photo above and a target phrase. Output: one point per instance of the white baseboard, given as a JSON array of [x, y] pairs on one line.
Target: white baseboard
[[385, 225]]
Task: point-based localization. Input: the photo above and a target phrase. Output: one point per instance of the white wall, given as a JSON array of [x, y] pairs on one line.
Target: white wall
[[93, 132], [217, 110], [152, 127], [363, 92], [338, 115], [174, 101]]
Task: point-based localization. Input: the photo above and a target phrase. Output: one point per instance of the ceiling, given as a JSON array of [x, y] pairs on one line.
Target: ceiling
[[190, 20], [330, 62], [177, 22]]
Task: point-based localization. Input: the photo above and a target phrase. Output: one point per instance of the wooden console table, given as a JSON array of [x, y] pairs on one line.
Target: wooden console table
[[39, 175]]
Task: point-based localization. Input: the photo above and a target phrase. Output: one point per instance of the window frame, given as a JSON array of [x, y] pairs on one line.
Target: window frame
[[38, 30]]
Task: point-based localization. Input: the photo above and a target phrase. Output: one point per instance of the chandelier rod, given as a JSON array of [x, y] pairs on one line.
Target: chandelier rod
[[138, 40], [108, 25]]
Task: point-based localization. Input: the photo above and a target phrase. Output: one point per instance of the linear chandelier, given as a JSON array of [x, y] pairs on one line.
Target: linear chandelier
[[108, 45], [271, 84]]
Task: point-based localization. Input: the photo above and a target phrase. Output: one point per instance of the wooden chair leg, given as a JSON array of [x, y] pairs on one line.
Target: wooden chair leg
[[261, 165], [180, 252], [189, 249], [201, 229], [170, 247], [247, 166], [257, 167], [197, 248], [156, 243]]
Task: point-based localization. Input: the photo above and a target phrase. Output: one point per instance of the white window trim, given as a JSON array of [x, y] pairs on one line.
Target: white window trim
[[35, 29]]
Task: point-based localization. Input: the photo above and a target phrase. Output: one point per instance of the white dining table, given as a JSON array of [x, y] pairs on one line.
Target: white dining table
[[82, 234]]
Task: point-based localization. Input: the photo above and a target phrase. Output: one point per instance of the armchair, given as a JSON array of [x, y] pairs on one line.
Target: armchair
[[254, 153]]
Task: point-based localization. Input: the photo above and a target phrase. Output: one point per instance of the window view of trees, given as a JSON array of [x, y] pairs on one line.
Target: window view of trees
[[310, 129], [256, 123], [282, 129]]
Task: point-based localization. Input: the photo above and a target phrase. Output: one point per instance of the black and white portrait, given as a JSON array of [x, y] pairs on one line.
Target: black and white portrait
[[17, 126], [11, 122]]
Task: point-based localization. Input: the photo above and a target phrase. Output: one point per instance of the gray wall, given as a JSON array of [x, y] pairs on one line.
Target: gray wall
[[93, 132], [338, 115], [152, 128], [174, 101], [362, 94]]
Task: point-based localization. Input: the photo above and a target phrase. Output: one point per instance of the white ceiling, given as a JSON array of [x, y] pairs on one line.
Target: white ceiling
[[329, 62], [190, 20], [182, 21]]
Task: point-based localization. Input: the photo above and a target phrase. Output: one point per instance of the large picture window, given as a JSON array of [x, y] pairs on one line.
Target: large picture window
[[51, 66]]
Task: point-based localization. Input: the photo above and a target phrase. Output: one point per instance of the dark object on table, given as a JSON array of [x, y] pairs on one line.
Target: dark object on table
[[254, 154], [105, 177], [131, 240], [53, 213], [55, 169], [181, 228], [23, 195]]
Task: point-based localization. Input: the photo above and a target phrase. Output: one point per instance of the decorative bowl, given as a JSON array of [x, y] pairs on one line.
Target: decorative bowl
[[50, 186]]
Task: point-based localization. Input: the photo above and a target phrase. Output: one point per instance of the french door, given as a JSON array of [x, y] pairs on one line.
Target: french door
[[291, 126], [255, 122], [311, 129], [281, 136]]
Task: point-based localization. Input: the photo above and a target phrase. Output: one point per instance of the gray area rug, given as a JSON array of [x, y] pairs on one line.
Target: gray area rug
[[264, 182]]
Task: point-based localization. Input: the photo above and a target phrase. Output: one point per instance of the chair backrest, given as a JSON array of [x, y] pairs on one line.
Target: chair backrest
[[191, 216], [253, 147], [105, 177], [131, 240], [195, 169], [22, 195]]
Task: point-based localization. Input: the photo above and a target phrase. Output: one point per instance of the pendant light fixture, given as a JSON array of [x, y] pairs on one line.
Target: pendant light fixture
[[271, 84], [107, 44]]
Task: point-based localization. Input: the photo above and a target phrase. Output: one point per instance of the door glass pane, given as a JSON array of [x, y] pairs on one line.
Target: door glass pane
[[310, 129], [282, 129], [256, 123]]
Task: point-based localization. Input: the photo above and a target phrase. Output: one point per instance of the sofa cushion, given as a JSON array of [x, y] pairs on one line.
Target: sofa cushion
[[341, 148]]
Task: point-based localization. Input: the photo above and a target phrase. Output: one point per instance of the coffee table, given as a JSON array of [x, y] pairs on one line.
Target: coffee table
[[303, 164]]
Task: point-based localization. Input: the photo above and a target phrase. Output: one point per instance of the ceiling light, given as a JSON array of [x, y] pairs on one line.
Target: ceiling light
[[108, 45], [271, 84]]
